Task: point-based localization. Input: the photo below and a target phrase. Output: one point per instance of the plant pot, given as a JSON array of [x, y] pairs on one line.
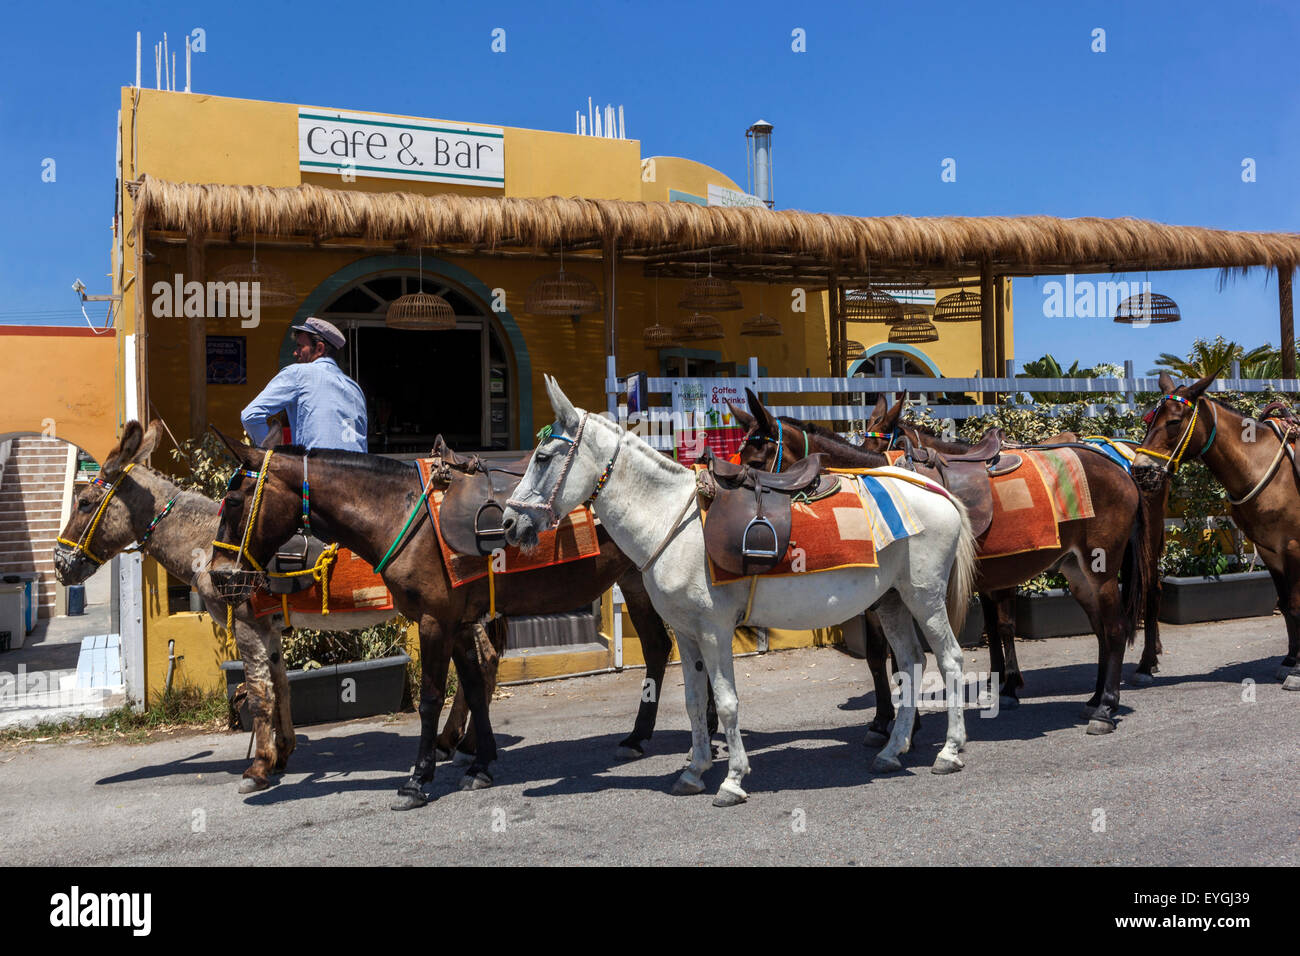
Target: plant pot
[[854, 631], [1188, 600], [336, 692], [1053, 613]]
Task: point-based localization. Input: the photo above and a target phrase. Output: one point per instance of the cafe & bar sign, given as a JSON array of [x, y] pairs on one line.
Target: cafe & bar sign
[[366, 145]]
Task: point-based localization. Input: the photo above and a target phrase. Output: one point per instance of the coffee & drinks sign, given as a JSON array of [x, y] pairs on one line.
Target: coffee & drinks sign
[[359, 145]]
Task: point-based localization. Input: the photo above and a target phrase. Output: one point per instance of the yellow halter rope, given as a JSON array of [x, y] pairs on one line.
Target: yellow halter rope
[[83, 544], [319, 570], [1174, 460]]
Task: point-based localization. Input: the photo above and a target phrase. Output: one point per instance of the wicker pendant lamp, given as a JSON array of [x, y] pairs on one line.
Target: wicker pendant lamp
[[1148, 308], [872, 305], [702, 327], [420, 311], [914, 329], [959, 306], [274, 288], [658, 336], [852, 350], [562, 293], [761, 324]]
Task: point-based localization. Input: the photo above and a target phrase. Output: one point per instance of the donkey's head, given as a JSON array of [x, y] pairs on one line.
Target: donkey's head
[[111, 513], [882, 427], [764, 435], [261, 511], [563, 472], [1180, 427]]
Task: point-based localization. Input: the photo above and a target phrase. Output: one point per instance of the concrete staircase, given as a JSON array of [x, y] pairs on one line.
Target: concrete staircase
[[32, 492]]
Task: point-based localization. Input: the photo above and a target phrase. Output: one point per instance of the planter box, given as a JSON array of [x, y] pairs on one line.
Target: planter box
[[1054, 613], [321, 696], [1188, 600]]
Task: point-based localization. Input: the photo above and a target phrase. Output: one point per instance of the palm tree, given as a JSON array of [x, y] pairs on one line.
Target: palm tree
[[1210, 357]]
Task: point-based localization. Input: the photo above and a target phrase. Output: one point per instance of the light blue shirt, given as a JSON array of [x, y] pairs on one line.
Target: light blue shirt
[[326, 409]]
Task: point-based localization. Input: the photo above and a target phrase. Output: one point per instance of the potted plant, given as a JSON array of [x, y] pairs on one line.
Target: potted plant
[[337, 675], [1046, 608], [1205, 573]]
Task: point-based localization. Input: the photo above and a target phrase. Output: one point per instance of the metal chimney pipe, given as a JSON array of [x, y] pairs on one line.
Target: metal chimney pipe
[[760, 134]]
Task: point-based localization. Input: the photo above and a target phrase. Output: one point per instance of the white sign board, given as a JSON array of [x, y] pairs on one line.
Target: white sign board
[[703, 402], [722, 196], [366, 145]]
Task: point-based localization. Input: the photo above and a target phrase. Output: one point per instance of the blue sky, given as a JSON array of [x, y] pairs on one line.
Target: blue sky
[[1156, 127]]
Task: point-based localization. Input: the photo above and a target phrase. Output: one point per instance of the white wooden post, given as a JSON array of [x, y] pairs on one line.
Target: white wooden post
[[130, 625]]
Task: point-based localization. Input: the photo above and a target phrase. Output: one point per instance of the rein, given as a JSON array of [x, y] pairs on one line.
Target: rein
[[1282, 449], [1171, 462]]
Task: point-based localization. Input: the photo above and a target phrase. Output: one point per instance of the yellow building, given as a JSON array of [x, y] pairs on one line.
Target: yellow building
[[480, 384]]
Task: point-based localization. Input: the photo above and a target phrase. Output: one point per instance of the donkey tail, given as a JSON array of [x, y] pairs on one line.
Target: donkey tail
[[961, 581], [1135, 571]]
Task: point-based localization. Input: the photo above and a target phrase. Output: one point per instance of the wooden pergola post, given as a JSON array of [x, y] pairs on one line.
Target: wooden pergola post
[[988, 328], [1000, 321], [609, 263], [198, 341], [835, 328], [1288, 321]]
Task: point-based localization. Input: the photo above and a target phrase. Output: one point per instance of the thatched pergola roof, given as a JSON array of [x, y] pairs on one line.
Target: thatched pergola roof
[[678, 238]]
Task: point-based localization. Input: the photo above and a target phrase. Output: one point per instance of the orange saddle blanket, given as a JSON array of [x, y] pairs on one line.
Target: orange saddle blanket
[[353, 586]]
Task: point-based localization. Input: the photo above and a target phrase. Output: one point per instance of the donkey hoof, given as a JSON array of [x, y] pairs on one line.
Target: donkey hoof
[[1006, 702], [875, 738], [1100, 725], [476, 781], [629, 752], [409, 798], [883, 764], [1087, 711], [1141, 679], [1283, 672], [1292, 682], [462, 759], [441, 753], [729, 795], [253, 784], [946, 765], [684, 787]]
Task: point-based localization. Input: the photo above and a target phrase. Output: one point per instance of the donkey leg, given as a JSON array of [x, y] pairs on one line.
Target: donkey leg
[[717, 653], [877, 648], [261, 705], [896, 621], [1012, 679], [454, 729], [435, 651], [931, 615], [489, 644], [656, 645], [1149, 663], [1101, 600], [1288, 587], [467, 657], [694, 680], [285, 738]]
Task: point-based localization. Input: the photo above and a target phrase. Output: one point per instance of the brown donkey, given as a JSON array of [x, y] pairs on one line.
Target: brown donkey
[[1119, 529], [1256, 464], [362, 501], [130, 504]]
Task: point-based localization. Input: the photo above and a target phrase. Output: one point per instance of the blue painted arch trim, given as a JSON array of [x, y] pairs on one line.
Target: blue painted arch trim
[[330, 287], [910, 351]]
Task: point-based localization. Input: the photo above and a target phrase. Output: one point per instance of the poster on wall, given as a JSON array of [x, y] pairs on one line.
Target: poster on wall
[[702, 418], [227, 361]]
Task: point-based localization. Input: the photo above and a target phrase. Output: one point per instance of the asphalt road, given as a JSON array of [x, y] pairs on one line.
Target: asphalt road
[[1195, 774]]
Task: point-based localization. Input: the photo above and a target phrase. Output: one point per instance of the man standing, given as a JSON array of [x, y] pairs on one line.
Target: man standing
[[325, 408]]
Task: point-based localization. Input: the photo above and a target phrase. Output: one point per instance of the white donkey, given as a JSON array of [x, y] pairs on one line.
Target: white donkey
[[648, 504]]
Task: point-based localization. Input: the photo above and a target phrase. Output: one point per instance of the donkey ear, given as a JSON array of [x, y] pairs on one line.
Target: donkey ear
[[881, 409], [243, 453], [565, 413], [147, 444], [1166, 382], [1196, 389], [762, 417], [125, 452], [892, 418], [745, 419]]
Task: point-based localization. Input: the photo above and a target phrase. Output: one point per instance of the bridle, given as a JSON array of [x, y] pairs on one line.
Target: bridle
[[82, 545], [779, 441], [241, 550], [1172, 461]]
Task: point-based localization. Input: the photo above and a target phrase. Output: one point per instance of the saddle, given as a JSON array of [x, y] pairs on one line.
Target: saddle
[[474, 502], [967, 473], [747, 528], [297, 554]]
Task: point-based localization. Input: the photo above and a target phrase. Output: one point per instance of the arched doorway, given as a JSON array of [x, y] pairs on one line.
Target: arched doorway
[[460, 383]]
